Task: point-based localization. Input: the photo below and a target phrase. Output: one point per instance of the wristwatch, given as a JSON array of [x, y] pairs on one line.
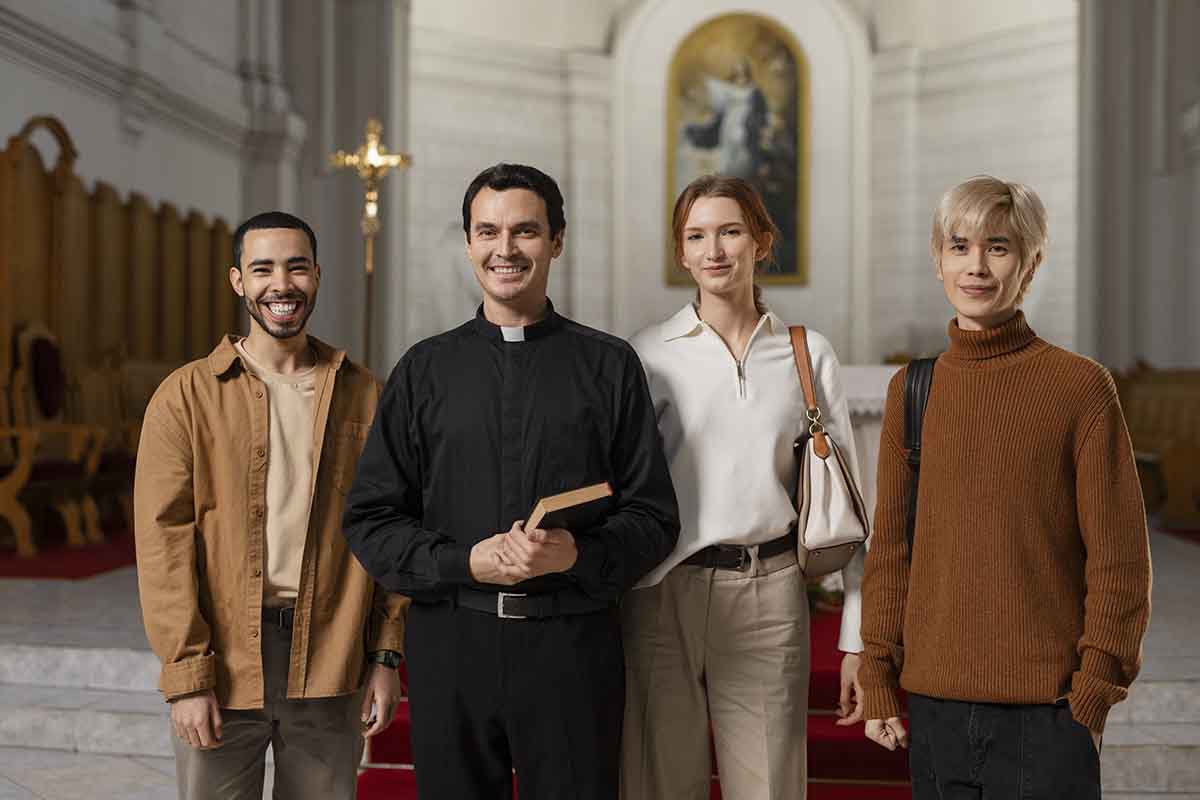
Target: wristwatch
[[389, 658]]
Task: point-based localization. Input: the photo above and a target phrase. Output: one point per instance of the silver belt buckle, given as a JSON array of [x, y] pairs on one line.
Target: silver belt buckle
[[500, 605]]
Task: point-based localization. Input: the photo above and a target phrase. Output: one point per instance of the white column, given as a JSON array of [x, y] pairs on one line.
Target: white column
[[1112, 181], [347, 61], [584, 288], [140, 27], [273, 143], [389, 337], [1188, 343]]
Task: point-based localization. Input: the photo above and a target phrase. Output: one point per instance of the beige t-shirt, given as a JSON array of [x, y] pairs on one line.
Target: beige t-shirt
[[291, 404]]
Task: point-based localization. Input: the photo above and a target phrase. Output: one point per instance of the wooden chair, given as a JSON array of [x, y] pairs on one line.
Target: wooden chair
[[53, 460], [98, 398], [1162, 408]]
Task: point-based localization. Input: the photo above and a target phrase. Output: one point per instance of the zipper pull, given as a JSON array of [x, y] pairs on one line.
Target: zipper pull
[[741, 380]]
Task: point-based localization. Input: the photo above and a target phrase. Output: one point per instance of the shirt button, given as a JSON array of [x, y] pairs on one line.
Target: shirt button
[[258, 573], [261, 452], [258, 512], [258, 393], [253, 634]]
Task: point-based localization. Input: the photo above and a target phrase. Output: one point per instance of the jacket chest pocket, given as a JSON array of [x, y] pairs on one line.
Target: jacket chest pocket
[[346, 445]]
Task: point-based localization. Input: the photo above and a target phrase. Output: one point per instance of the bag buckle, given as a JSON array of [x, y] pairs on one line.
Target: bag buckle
[[500, 612]]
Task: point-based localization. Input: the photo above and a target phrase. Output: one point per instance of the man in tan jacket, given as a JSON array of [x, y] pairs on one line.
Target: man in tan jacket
[[264, 621]]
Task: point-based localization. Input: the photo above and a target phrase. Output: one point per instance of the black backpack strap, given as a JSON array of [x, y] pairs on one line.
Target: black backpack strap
[[917, 380]]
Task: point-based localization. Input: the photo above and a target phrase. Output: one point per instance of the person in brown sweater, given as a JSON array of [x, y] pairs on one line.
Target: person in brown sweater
[[1015, 623]]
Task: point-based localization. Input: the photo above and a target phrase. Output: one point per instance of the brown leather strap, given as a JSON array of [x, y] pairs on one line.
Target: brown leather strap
[[804, 368]]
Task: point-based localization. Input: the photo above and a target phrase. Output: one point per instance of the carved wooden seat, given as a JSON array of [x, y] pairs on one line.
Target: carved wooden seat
[[1162, 408], [99, 397], [48, 463]]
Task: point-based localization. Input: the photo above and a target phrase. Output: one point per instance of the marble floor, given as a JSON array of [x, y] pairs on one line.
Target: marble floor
[[80, 718]]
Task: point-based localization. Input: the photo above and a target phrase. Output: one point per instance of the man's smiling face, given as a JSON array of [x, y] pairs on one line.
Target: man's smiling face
[[277, 280], [509, 244]]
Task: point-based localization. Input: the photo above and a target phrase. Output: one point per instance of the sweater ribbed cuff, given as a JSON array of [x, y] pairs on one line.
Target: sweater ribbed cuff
[[880, 703], [1094, 689]]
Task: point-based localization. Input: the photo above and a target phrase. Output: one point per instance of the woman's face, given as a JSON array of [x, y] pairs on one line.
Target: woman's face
[[718, 248]]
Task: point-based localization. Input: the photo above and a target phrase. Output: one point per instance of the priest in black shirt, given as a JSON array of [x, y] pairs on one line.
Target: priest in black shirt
[[513, 641]]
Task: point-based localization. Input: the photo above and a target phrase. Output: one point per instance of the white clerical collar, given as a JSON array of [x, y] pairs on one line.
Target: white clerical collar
[[513, 334]]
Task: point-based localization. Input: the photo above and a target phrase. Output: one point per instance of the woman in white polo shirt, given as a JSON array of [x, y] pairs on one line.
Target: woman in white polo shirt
[[719, 633]]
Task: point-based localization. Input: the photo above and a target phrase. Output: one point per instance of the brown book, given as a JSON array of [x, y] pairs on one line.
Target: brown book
[[561, 510]]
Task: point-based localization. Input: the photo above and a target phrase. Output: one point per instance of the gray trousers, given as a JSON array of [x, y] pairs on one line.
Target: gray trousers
[[317, 744]]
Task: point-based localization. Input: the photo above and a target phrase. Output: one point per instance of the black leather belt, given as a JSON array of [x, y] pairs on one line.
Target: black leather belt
[[737, 556], [283, 616], [515, 605]]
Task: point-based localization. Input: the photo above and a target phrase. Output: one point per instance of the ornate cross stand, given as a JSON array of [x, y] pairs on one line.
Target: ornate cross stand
[[372, 161]]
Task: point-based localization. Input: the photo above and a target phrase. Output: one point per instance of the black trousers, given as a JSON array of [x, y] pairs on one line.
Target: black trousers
[[986, 751], [488, 695]]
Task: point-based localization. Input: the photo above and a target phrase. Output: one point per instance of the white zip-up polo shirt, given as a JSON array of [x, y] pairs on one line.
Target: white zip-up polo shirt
[[728, 427]]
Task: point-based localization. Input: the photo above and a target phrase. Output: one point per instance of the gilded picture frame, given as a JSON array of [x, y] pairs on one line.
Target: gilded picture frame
[[738, 102]]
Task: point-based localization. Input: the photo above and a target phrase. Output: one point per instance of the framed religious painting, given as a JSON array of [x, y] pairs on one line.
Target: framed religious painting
[[738, 104]]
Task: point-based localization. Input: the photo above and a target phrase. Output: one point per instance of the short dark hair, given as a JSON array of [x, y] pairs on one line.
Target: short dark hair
[[271, 219], [518, 176]]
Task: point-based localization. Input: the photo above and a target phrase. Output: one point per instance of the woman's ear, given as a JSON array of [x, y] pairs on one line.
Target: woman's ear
[[762, 247]]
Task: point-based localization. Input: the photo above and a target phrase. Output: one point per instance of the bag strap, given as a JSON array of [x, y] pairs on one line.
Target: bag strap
[[917, 381], [804, 369]]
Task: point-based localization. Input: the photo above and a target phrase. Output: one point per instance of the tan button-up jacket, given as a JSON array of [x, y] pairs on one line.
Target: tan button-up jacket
[[199, 498]]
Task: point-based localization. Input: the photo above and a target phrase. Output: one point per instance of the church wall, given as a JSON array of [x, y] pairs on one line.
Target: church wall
[[937, 24], [515, 23], [152, 108], [472, 104], [1004, 105]]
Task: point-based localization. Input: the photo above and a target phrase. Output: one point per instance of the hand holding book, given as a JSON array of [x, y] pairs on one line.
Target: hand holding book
[[540, 545]]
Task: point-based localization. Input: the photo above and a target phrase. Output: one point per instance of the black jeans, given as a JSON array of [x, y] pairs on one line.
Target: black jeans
[[488, 695], [988, 751]]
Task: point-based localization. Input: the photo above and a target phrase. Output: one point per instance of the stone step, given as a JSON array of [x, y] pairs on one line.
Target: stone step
[[1151, 758], [84, 720], [75, 667], [1157, 701], [137, 670], [1139, 759]]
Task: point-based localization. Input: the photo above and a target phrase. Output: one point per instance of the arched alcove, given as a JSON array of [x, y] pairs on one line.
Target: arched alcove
[[836, 299]]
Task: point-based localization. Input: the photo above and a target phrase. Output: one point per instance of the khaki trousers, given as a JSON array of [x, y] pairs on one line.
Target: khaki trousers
[[722, 646], [317, 743]]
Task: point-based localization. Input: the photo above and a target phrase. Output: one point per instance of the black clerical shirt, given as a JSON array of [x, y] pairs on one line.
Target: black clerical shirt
[[473, 430]]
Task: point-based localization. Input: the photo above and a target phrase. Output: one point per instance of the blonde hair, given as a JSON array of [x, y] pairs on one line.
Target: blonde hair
[[762, 228], [985, 205]]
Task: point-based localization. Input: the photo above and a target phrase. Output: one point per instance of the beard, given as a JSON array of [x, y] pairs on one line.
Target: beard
[[281, 330]]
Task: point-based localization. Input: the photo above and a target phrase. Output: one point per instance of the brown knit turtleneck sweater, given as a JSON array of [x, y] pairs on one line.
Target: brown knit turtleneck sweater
[[1030, 577]]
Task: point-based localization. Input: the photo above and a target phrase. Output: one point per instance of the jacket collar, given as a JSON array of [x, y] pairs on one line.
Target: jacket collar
[[687, 322], [225, 355]]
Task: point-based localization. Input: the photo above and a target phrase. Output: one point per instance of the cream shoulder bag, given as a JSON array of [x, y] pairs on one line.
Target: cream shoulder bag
[[832, 522]]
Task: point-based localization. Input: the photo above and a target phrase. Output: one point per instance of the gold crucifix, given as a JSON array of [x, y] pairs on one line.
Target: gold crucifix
[[372, 161]]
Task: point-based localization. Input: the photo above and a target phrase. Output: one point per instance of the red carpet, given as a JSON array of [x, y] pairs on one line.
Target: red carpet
[[842, 763], [60, 561]]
